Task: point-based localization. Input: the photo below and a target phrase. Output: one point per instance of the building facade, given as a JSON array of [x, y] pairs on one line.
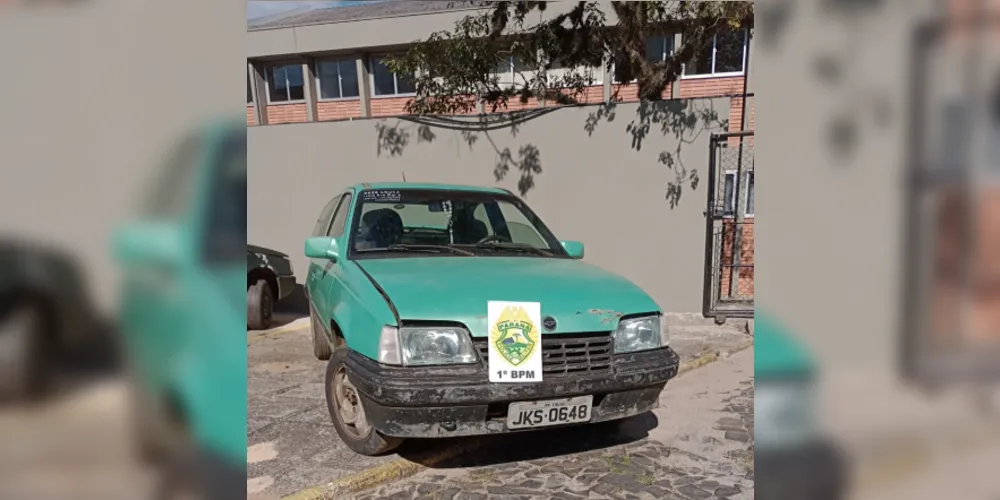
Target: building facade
[[317, 93]]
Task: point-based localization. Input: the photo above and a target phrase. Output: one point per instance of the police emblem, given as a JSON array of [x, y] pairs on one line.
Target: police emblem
[[514, 335]]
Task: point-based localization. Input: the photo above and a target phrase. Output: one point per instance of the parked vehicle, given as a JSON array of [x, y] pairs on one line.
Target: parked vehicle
[[45, 311], [270, 278], [792, 457], [454, 311], [182, 318]]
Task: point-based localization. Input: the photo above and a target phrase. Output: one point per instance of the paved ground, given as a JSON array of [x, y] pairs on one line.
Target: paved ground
[[293, 446]]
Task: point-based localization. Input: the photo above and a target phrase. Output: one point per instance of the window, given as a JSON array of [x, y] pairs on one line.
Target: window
[[511, 70], [725, 54], [170, 197], [659, 47], [249, 91], [729, 194], [340, 218], [225, 235], [337, 79], [324, 217], [448, 223], [284, 83], [387, 83]]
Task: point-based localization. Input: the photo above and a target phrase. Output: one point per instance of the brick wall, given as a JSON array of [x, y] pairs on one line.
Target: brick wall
[[710, 87], [286, 113], [338, 110], [745, 276], [735, 108], [251, 116], [389, 106], [630, 93]]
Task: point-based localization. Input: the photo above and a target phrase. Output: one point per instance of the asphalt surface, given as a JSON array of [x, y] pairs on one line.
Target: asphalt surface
[[293, 446]]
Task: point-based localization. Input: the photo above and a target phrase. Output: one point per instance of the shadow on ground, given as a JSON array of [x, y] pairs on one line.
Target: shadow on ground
[[532, 445], [294, 306]]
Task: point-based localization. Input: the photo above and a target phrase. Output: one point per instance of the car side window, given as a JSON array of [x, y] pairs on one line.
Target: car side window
[[171, 194], [340, 218], [324, 217], [226, 228]]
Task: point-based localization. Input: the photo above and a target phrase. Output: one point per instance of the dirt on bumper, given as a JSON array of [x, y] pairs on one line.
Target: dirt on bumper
[[459, 401]]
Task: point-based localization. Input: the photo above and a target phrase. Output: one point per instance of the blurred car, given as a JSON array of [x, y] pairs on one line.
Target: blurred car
[[453, 311], [270, 278], [45, 311], [182, 316], [792, 458]]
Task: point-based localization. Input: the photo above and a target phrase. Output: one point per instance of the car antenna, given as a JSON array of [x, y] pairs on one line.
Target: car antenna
[[404, 176]]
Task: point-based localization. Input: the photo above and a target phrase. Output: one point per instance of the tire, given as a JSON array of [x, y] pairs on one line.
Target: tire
[[260, 306], [25, 354], [321, 346], [363, 440], [196, 475]]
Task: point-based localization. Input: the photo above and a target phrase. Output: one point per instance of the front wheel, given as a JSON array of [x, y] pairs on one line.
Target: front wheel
[[348, 414], [321, 347]]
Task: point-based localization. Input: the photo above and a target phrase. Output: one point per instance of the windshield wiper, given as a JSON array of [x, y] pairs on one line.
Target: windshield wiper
[[517, 247], [404, 247]]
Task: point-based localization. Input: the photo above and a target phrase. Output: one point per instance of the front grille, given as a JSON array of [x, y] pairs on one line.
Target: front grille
[[568, 354]]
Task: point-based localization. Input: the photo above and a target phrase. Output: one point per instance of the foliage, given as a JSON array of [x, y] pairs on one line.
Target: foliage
[[456, 70]]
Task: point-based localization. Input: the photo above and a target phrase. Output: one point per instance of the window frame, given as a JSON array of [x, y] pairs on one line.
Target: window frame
[[395, 80], [666, 37], [713, 74], [269, 71], [340, 79], [345, 203], [250, 91], [747, 214]]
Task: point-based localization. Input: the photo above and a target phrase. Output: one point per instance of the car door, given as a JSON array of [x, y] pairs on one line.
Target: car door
[[155, 308], [331, 277], [315, 271]]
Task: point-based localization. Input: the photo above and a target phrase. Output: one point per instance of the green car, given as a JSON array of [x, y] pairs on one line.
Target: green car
[[454, 311], [270, 278], [181, 316], [793, 458]]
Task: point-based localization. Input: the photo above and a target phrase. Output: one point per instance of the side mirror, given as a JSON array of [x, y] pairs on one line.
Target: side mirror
[[159, 243], [573, 248], [321, 247]]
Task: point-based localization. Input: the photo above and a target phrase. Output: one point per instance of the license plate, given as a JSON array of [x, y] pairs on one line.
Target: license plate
[[530, 414]]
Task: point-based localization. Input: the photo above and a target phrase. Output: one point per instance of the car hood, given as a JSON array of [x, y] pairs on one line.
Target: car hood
[[777, 354], [581, 297]]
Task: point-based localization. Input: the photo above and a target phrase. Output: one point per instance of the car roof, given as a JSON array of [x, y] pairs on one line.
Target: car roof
[[428, 186]]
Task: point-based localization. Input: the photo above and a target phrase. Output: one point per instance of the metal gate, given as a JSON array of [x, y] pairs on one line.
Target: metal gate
[[729, 223]]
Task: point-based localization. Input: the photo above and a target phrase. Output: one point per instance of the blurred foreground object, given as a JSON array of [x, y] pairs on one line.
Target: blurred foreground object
[[793, 458], [951, 317], [182, 317], [45, 315]]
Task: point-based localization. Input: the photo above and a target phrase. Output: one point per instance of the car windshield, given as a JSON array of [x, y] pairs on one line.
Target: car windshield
[[458, 223]]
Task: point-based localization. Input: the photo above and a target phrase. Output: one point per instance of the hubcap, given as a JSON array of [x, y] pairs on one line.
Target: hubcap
[[348, 405]]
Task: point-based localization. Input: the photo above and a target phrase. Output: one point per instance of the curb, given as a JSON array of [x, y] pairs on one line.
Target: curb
[[378, 475], [400, 469], [709, 356], [294, 326]]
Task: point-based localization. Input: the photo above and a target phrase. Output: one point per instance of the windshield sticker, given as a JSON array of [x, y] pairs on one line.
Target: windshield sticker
[[515, 344], [384, 195]]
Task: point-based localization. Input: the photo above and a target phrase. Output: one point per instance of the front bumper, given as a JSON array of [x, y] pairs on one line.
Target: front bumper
[[817, 470], [460, 401]]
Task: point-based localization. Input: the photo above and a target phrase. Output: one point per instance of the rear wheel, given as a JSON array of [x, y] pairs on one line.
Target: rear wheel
[[348, 414], [25, 372], [321, 346], [260, 306]]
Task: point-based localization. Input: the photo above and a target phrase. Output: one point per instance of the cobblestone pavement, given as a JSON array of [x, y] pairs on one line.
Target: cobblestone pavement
[[698, 445]]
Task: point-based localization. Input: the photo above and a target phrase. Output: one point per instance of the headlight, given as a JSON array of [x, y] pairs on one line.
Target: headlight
[[426, 346], [639, 334], [784, 414]]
